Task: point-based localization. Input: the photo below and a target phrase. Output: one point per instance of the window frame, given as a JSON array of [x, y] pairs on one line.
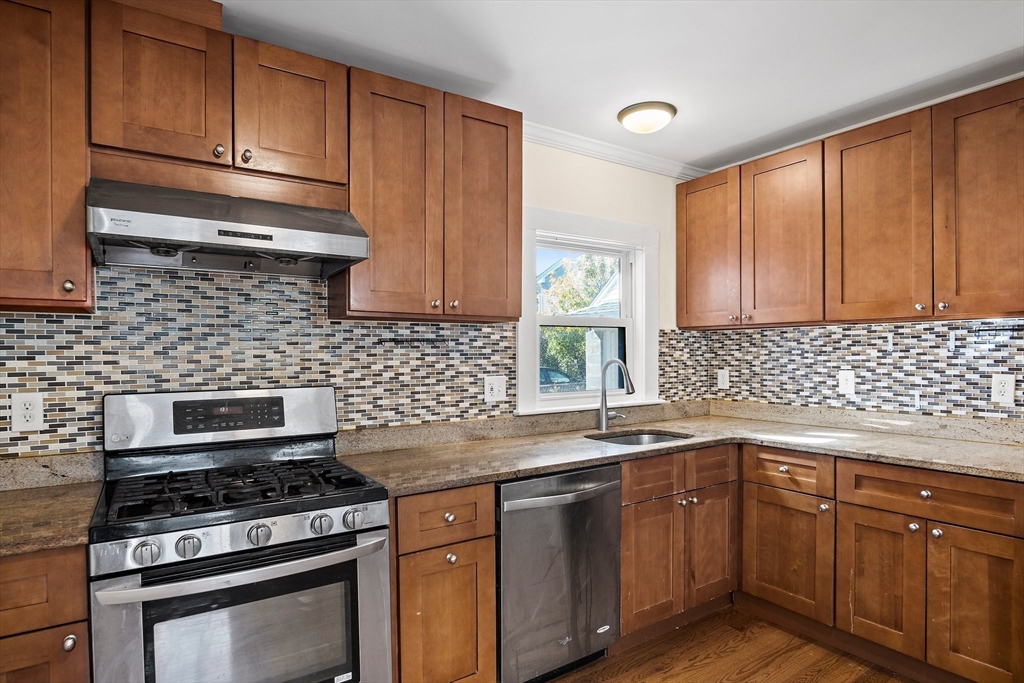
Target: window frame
[[637, 246]]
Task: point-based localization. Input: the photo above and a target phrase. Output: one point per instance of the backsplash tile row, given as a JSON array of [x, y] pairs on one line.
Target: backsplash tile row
[[171, 330]]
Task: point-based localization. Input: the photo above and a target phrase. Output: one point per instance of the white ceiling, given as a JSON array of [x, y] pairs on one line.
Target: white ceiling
[[747, 76]]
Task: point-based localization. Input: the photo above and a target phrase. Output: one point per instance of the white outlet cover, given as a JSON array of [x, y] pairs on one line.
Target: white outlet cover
[[847, 383], [723, 378], [1004, 389], [26, 413], [494, 388]]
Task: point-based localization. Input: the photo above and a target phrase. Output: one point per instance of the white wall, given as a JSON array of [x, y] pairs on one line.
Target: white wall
[[564, 181]]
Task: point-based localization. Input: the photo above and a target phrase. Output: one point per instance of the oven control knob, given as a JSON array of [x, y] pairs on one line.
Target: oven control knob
[[259, 534], [188, 546], [321, 524], [353, 519], [146, 553]]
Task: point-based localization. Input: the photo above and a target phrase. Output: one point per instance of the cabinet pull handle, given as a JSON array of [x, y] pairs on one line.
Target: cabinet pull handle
[[70, 642], [449, 517], [69, 286], [436, 303], [926, 495], [919, 307], [682, 501], [823, 507], [943, 305], [745, 317], [454, 304], [693, 499], [247, 156], [784, 469], [218, 151], [732, 318], [936, 533], [452, 558], [914, 526]]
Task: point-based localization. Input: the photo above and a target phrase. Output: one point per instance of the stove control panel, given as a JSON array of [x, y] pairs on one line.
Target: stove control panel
[[227, 414]]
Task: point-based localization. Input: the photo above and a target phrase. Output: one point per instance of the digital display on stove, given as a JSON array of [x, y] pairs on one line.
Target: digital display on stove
[[229, 414]]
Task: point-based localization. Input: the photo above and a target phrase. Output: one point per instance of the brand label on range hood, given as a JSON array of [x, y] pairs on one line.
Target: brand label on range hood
[[245, 235]]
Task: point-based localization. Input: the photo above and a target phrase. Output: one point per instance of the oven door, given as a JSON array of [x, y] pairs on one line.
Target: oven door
[[303, 613]]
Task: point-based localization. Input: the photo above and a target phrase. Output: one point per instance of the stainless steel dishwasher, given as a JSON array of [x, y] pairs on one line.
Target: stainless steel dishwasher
[[559, 570]]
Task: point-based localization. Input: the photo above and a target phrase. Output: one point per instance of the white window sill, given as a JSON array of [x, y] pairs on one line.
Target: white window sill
[[590, 405]]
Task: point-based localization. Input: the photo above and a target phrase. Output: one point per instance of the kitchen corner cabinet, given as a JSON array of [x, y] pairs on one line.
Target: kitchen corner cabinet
[[160, 85], [977, 152], [45, 263], [878, 220]]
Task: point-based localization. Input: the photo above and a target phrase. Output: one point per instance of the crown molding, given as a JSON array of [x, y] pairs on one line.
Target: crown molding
[[570, 142]]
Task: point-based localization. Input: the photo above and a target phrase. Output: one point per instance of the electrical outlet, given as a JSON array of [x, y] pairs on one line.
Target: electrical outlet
[[26, 412], [847, 383], [494, 388], [889, 342], [1003, 389], [723, 378]]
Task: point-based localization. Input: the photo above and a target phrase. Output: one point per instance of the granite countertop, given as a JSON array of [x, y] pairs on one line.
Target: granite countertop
[[46, 517], [432, 468]]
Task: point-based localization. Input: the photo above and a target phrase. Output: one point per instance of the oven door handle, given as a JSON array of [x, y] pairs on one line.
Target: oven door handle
[[242, 578]]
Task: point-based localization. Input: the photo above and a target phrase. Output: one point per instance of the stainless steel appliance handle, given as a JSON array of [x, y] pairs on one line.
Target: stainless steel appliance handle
[[242, 578], [562, 499]]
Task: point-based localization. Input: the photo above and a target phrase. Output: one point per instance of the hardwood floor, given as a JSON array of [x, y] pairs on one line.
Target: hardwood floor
[[731, 646]]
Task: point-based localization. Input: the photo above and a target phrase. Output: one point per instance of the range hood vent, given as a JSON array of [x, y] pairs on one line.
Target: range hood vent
[[142, 225]]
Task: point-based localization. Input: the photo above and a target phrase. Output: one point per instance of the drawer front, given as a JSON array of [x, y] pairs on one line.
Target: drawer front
[[429, 520], [710, 466], [976, 502], [42, 589], [651, 478], [792, 470], [41, 655]]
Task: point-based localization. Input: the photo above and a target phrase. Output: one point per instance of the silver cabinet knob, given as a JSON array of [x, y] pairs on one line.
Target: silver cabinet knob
[[823, 507], [732, 318], [218, 151], [914, 526], [919, 307], [70, 642], [69, 286], [449, 517], [321, 524], [146, 553], [682, 501], [188, 546], [247, 156], [452, 558], [943, 305], [926, 495], [937, 533], [693, 499], [783, 469], [454, 304], [436, 303], [745, 317], [259, 534]]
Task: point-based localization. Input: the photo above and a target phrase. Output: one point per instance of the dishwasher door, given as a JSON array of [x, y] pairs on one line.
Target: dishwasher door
[[559, 570]]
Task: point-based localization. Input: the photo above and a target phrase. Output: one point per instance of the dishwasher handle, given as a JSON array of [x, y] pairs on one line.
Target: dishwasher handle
[[561, 499]]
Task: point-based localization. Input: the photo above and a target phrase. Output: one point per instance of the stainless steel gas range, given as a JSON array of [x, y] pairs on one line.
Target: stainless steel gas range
[[229, 544]]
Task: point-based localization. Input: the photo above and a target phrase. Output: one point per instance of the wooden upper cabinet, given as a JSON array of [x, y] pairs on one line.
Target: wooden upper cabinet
[[160, 85], [396, 192], [978, 161], [291, 112], [783, 237], [878, 220], [483, 209], [45, 263], [708, 250]]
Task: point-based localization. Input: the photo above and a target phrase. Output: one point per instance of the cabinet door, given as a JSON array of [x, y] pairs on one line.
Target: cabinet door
[[978, 156], [650, 478], [711, 552], [708, 250], [42, 657], [43, 252], [446, 613], [483, 209], [160, 85], [878, 220], [783, 236], [396, 192], [652, 562], [789, 550], [291, 112], [976, 603], [880, 584]]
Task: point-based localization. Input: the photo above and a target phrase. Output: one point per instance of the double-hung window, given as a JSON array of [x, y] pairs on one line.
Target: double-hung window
[[589, 295]]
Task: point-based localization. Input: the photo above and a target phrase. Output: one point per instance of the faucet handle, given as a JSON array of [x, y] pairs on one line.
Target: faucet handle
[[612, 415]]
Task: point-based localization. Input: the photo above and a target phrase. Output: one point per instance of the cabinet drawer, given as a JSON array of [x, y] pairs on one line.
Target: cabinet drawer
[[977, 502], [42, 589], [652, 478], [40, 656], [792, 470], [710, 466], [429, 520]]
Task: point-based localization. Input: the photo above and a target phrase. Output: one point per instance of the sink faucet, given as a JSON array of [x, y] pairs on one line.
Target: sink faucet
[[603, 414]]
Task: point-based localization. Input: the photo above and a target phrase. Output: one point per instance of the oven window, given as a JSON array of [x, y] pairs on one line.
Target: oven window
[[297, 629]]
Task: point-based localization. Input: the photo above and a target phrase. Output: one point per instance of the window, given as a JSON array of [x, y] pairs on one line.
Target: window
[[589, 295]]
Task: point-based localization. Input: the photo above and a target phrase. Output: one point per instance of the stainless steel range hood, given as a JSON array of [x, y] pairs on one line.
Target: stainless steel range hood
[[141, 225]]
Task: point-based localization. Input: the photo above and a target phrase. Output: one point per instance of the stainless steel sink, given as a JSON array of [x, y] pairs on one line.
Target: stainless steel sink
[[638, 438]]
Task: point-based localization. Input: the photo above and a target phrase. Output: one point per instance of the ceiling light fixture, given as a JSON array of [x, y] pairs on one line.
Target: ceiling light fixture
[[646, 117]]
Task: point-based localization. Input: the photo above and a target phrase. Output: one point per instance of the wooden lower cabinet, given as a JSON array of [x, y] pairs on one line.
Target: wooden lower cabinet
[[976, 603], [711, 543], [789, 549], [447, 619], [53, 655], [880, 577]]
